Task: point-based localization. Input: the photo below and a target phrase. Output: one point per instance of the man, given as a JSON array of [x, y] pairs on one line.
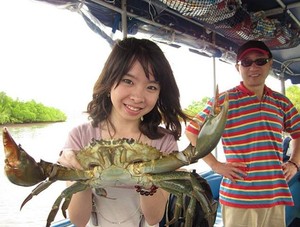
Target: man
[[254, 189]]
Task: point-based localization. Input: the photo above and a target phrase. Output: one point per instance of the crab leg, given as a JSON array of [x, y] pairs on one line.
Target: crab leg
[[179, 205], [190, 212], [41, 187], [192, 188], [67, 195]]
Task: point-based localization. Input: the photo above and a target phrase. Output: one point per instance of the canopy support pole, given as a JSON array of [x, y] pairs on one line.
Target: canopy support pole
[[214, 81], [282, 84], [124, 18]]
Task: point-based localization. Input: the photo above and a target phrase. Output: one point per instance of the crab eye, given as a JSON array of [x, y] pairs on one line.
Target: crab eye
[[136, 161], [130, 141], [92, 166]]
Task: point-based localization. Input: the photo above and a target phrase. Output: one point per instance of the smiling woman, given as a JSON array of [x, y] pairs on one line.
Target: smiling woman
[[136, 96]]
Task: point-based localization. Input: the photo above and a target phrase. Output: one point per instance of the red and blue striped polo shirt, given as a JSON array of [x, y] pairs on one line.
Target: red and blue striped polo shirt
[[253, 135]]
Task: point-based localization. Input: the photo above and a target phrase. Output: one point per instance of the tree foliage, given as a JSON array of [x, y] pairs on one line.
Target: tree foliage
[[293, 93], [196, 106], [15, 111]]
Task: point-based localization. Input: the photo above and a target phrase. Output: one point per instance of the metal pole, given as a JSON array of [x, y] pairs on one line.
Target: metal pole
[[282, 84], [124, 18], [214, 80]]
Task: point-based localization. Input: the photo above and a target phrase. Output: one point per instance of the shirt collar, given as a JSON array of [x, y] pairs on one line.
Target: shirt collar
[[241, 87]]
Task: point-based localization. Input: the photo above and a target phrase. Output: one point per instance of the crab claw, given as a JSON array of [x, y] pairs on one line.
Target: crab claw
[[20, 168], [212, 130]]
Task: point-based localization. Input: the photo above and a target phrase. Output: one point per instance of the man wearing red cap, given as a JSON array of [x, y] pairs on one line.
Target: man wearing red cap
[[254, 189]]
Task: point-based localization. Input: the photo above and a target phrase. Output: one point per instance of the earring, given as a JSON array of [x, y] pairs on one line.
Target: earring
[[142, 118], [108, 94]]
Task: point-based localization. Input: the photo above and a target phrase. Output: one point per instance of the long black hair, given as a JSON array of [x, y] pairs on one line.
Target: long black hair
[[121, 59]]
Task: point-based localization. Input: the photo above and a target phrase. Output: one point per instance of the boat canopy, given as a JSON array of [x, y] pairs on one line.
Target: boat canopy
[[213, 28]]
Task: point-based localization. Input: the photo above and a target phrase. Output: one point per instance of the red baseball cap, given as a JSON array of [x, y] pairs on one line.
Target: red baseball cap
[[252, 45]]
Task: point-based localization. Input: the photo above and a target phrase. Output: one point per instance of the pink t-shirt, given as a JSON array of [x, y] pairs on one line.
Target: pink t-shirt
[[81, 136]]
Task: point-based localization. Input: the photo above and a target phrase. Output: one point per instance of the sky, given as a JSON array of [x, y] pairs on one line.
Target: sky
[[50, 55]]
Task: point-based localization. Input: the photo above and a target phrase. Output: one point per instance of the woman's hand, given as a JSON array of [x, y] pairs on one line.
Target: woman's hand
[[68, 159], [80, 207]]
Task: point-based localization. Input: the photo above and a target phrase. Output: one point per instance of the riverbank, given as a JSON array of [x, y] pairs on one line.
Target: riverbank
[[30, 124]]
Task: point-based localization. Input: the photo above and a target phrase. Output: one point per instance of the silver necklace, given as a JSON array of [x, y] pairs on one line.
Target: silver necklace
[[123, 221], [112, 136], [95, 212]]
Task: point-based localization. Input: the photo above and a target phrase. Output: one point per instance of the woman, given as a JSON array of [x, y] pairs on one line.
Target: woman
[[135, 93]]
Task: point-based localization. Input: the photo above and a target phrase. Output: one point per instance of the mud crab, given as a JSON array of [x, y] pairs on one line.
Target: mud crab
[[122, 161]]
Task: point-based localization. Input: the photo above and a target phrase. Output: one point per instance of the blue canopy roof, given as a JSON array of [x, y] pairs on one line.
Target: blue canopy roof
[[214, 28]]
